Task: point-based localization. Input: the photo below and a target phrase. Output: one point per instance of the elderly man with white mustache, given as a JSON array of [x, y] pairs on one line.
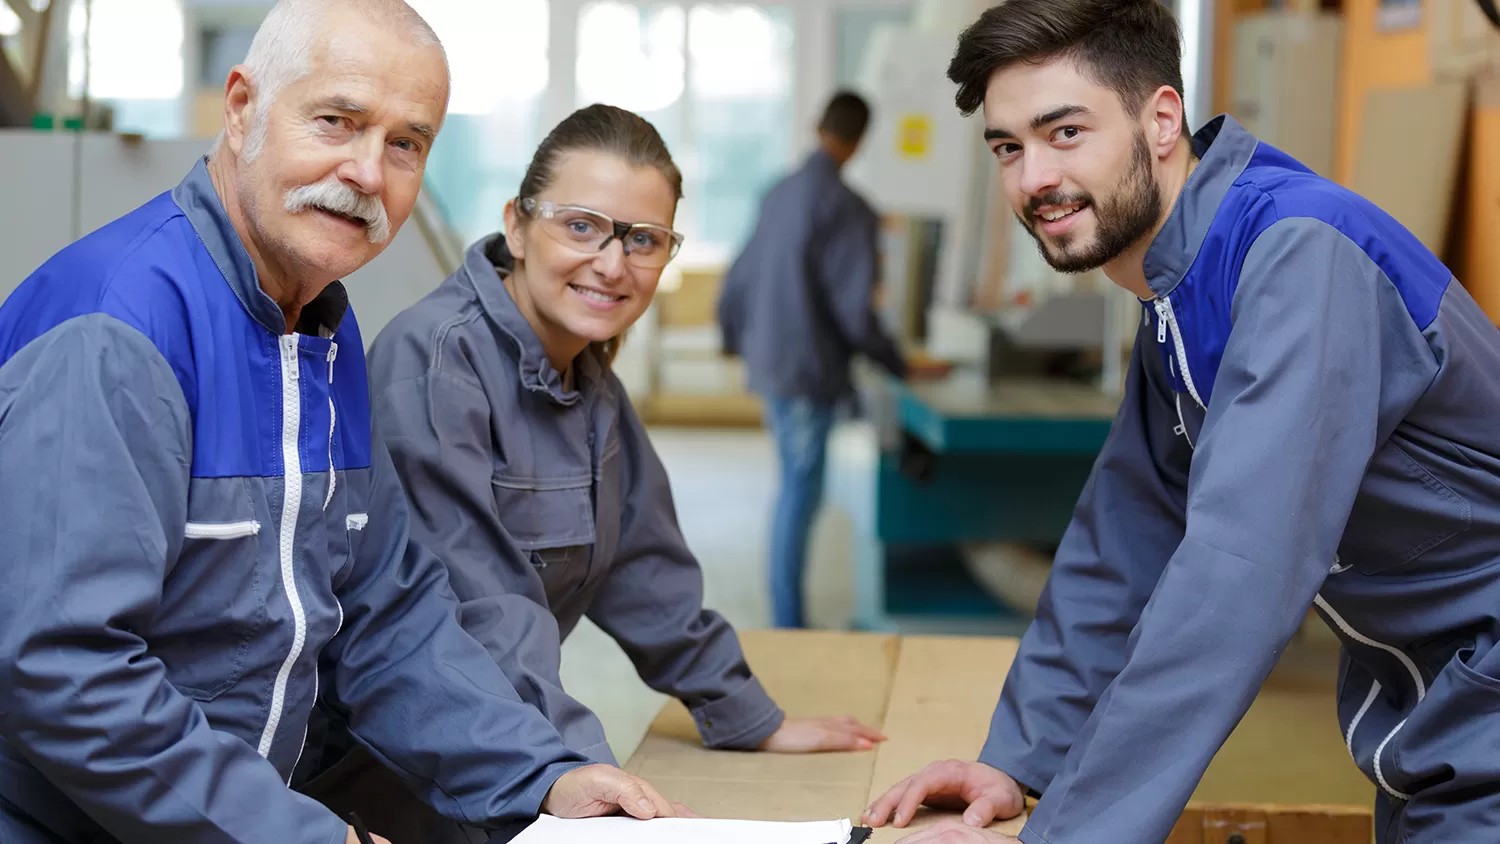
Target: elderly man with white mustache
[[197, 528]]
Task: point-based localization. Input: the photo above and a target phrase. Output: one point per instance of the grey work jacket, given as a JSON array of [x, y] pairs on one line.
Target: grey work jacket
[[549, 504], [797, 303]]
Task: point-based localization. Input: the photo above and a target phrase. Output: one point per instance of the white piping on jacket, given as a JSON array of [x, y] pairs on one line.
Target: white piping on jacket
[[1411, 668], [291, 411], [221, 530]]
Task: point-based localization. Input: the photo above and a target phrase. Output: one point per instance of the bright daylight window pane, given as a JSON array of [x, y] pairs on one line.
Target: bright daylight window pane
[[742, 120], [630, 55], [497, 52], [135, 49], [9, 23]]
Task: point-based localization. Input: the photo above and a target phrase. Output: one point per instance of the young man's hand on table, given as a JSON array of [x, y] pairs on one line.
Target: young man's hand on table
[[982, 793]]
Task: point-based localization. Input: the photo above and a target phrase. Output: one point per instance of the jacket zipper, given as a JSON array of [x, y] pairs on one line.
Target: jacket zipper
[[291, 458], [1166, 321]]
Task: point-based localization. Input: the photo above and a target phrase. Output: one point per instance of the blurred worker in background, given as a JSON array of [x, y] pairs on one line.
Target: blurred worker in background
[[1308, 423], [797, 304], [530, 474], [194, 517]]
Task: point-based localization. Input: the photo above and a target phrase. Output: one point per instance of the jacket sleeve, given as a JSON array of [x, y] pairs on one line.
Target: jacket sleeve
[[652, 604], [847, 264], [1127, 523], [437, 427], [731, 307], [1320, 364], [420, 693], [95, 444]]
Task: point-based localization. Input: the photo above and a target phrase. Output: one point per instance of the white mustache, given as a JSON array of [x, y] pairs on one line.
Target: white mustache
[[333, 195]]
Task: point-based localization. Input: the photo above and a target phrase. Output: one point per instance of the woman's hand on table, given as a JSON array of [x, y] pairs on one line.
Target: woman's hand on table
[[982, 793], [818, 735], [952, 831]]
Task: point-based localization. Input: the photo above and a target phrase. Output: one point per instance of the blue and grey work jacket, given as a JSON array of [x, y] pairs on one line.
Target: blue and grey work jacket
[[193, 519], [1309, 422]]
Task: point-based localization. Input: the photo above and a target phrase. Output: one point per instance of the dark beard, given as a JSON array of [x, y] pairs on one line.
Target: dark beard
[[1124, 218]]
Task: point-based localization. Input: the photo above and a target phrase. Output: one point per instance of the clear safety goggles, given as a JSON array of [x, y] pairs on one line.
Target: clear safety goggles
[[647, 246]]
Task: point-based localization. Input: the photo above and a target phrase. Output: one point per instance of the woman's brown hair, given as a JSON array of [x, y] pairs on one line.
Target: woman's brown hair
[[602, 128]]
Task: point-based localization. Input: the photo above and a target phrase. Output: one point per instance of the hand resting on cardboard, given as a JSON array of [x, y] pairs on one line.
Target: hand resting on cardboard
[[982, 793], [817, 735]]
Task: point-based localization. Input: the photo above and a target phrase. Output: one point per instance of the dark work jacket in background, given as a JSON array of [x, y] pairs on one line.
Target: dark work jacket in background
[[549, 504], [797, 303]]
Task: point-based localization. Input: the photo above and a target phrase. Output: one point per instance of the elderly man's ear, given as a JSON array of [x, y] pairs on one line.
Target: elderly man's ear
[[239, 106]]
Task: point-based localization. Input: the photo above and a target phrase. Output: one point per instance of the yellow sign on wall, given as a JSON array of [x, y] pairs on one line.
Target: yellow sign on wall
[[914, 136]]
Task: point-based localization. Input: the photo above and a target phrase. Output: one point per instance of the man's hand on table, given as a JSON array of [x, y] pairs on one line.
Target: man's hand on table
[[353, 838], [953, 831], [817, 735], [982, 793], [596, 790]]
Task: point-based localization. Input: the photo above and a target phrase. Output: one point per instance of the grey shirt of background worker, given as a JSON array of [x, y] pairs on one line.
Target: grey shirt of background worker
[[798, 302], [548, 504]]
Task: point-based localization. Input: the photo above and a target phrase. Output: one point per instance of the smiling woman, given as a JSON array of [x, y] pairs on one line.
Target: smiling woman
[[531, 476]]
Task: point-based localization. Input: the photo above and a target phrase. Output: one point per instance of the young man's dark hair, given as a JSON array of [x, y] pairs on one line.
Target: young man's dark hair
[[846, 117], [1131, 46]]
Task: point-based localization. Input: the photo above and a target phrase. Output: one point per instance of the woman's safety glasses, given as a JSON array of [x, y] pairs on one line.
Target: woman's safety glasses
[[647, 246]]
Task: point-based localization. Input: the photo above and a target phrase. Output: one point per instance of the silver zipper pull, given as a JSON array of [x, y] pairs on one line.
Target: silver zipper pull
[[289, 356], [1161, 322]]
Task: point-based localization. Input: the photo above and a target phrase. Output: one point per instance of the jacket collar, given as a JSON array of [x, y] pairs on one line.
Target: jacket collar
[[1224, 148], [486, 263], [204, 210]]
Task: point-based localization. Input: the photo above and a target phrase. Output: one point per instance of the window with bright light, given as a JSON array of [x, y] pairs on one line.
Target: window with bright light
[[497, 53], [742, 119], [134, 49], [9, 23], [630, 55], [716, 81], [134, 61]]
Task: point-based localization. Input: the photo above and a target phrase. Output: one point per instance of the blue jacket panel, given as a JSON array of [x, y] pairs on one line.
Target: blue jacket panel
[[201, 520]]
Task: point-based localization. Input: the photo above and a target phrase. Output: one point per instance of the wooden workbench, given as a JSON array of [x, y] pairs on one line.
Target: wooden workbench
[[923, 692], [933, 696]]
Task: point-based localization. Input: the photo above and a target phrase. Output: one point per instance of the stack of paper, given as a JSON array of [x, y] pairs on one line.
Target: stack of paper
[[622, 830]]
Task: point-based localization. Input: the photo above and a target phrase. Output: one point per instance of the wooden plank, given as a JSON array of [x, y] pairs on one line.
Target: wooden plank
[[1234, 825], [1273, 823], [808, 673], [942, 697], [1189, 828], [1321, 825]]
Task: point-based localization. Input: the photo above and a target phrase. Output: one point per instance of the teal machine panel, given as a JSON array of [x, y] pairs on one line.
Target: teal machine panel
[[967, 462]]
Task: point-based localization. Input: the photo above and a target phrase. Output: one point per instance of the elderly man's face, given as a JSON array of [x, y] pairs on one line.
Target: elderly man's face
[[335, 170]]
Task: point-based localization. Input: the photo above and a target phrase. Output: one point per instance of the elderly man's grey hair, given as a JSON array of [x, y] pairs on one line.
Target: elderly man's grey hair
[[281, 52]]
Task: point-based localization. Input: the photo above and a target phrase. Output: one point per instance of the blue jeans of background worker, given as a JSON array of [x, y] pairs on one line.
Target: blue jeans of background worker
[[800, 428]]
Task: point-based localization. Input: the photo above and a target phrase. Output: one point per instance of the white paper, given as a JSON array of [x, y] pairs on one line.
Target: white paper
[[622, 830]]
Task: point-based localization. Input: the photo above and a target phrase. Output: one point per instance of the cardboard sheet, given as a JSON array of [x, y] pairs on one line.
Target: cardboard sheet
[[1412, 174], [808, 673], [934, 695], [942, 697]]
